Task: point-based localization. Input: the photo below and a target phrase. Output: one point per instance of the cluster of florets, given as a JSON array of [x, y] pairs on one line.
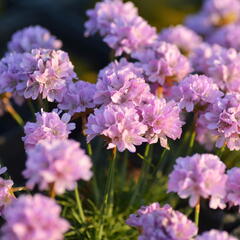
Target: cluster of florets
[[120, 26], [36, 217], [215, 235], [214, 14], [184, 38], [57, 164], [48, 126], [31, 38], [199, 176], [155, 222]]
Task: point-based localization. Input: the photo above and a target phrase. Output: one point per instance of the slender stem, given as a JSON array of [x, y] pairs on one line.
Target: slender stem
[[191, 143], [221, 151], [79, 205], [52, 192], [197, 213], [19, 189]]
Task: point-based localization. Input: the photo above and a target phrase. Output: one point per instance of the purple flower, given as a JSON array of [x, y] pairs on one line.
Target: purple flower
[[163, 62], [51, 76], [233, 187], [197, 89], [184, 38], [47, 126], [36, 217], [162, 223], [222, 119], [226, 36], [200, 175], [120, 124], [119, 24], [33, 37], [162, 119], [215, 235], [120, 82], [58, 162], [78, 97]]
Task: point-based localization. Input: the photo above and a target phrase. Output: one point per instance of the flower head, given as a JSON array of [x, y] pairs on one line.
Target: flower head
[[36, 217], [78, 97], [58, 162], [157, 222], [162, 62], [120, 82], [200, 175], [215, 235], [184, 38], [33, 37], [47, 126]]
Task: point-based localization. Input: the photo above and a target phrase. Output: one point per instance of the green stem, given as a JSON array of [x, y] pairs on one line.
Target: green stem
[[9, 108], [79, 205], [197, 213], [221, 151], [191, 143]]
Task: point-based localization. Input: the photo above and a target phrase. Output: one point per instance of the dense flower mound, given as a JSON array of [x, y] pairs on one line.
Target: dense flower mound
[[213, 14], [162, 119], [47, 126], [222, 119], [6, 195], [120, 124], [197, 89], [162, 62], [184, 38], [36, 217], [215, 235], [121, 82], [200, 175], [233, 187], [157, 222], [119, 24], [53, 72], [78, 97], [60, 163], [226, 36], [33, 37]]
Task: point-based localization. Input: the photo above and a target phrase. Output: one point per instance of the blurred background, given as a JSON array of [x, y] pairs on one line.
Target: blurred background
[[65, 19]]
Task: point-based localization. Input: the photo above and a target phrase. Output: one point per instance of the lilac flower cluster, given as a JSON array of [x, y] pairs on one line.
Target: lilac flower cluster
[[36, 217], [43, 71], [157, 222], [199, 176], [184, 38], [119, 24], [197, 89], [215, 235], [31, 38], [214, 14], [57, 162], [48, 126]]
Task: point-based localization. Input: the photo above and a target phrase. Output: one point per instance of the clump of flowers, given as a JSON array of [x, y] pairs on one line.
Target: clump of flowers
[[78, 97], [120, 124], [199, 176], [120, 26], [121, 82], [215, 235], [163, 63], [197, 89], [48, 126], [157, 222], [222, 119], [162, 119], [60, 163], [36, 217], [33, 37], [184, 38]]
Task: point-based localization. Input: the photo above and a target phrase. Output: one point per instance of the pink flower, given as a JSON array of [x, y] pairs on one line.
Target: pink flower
[[200, 175], [58, 162], [155, 222], [36, 217], [33, 37], [47, 126], [215, 235]]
